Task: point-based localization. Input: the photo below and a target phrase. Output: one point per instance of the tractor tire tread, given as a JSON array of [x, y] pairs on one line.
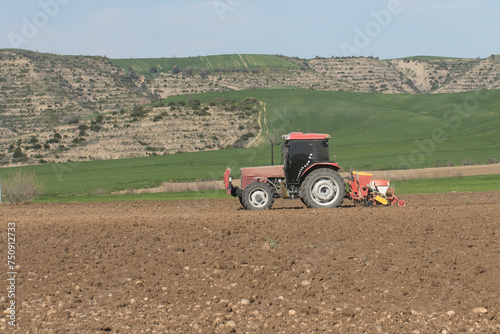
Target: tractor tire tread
[[245, 197], [305, 190]]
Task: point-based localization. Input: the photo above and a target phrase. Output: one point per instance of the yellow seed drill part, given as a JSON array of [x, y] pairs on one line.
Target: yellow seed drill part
[[382, 200]]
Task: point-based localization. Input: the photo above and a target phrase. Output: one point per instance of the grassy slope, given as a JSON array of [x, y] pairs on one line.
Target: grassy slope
[[235, 61], [370, 131], [375, 131]]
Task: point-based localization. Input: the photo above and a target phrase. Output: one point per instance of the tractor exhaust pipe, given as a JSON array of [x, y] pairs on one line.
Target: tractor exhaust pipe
[[272, 152]]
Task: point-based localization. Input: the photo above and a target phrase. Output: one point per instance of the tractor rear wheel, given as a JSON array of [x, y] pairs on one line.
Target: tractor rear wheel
[[323, 188], [257, 196]]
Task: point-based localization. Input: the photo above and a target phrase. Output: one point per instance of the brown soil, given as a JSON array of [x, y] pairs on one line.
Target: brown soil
[[208, 266]]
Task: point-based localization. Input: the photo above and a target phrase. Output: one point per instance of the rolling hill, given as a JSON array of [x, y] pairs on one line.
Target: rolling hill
[[78, 108]]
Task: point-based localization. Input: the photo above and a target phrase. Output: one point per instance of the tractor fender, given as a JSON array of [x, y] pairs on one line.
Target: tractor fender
[[330, 165]]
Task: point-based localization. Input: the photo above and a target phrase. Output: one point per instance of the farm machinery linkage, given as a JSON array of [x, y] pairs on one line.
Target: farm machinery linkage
[[308, 174]]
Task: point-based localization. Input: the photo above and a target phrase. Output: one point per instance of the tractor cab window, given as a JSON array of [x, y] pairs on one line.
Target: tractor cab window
[[321, 151]]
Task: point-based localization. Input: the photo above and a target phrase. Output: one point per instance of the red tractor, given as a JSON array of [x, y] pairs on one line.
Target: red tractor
[[308, 174]]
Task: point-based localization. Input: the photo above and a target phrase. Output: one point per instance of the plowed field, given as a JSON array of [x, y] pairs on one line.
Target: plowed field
[[208, 266]]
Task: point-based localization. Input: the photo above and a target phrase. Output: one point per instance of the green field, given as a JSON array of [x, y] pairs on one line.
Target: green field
[[375, 131], [230, 62], [369, 132], [414, 186], [93, 177], [173, 196]]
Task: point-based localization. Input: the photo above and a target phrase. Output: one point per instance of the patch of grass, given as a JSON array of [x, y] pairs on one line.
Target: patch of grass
[[186, 195], [365, 261], [271, 244]]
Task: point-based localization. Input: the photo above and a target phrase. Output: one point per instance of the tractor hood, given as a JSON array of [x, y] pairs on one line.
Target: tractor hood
[[250, 174]]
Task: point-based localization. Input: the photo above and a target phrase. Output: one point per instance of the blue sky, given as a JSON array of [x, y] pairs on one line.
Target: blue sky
[[302, 28]]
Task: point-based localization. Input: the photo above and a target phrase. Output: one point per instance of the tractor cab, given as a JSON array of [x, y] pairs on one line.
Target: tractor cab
[[301, 151]]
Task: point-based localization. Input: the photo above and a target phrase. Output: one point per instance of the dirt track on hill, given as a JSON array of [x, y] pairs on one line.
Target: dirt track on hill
[[208, 266]]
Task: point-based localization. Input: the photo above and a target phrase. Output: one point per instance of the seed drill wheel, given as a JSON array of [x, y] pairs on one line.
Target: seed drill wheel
[[257, 196], [323, 188]]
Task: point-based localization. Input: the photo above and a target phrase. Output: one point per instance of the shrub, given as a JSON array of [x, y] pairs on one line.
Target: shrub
[[73, 120], [157, 118], [18, 153], [99, 119], [20, 187], [193, 102], [95, 128], [78, 140], [138, 111], [82, 129], [468, 162]]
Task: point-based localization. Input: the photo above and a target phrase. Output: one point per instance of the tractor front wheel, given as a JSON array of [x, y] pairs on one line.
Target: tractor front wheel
[[257, 196], [323, 188]]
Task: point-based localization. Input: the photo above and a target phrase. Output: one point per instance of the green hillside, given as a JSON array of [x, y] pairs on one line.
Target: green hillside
[[369, 131], [230, 62], [374, 131]]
